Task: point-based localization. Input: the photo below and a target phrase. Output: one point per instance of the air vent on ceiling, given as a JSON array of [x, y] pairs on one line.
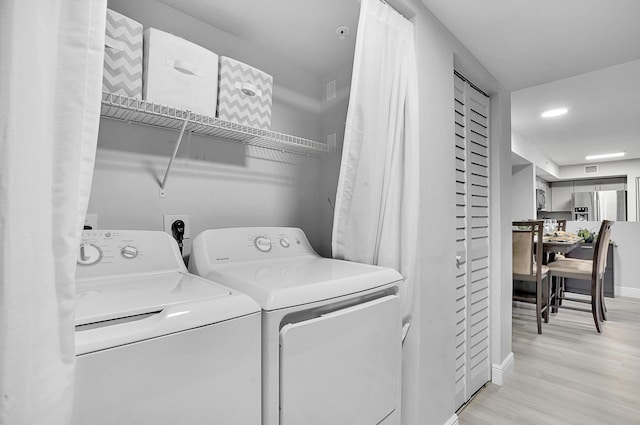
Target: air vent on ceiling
[[590, 169]]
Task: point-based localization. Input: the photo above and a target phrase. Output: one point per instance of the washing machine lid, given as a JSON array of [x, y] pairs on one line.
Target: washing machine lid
[[287, 282], [117, 311]]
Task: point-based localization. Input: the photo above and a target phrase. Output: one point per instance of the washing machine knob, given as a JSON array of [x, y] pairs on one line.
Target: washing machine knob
[[284, 242], [89, 254], [129, 252]]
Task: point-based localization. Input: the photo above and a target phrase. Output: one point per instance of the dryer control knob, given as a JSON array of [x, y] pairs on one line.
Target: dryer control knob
[[129, 252], [263, 244], [284, 242], [89, 254]]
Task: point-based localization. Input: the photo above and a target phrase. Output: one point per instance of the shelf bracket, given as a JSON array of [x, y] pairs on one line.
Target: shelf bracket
[[173, 156]]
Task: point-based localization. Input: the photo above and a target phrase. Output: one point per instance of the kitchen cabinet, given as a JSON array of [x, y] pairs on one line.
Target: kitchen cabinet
[[594, 185], [613, 184], [561, 196], [586, 185], [541, 184], [561, 191]]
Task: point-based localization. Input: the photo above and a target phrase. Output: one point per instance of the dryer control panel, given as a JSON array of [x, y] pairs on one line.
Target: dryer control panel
[[120, 252], [252, 243]]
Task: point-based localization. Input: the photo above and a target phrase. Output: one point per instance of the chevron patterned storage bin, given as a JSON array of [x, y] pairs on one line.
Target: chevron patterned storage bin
[[122, 56], [179, 73], [244, 95]]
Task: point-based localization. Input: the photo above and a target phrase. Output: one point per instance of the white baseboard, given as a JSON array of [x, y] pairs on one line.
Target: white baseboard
[[500, 373], [453, 420], [628, 292]]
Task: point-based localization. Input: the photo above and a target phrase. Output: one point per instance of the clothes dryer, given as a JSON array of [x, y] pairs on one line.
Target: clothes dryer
[[331, 329], [157, 345]]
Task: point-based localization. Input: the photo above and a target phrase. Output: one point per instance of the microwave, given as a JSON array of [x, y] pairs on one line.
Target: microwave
[[541, 199]]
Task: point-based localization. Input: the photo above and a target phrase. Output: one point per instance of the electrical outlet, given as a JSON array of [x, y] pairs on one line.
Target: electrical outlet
[[170, 218], [91, 221]]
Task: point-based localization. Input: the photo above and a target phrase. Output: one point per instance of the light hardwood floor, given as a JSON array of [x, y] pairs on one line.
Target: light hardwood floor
[[569, 375]]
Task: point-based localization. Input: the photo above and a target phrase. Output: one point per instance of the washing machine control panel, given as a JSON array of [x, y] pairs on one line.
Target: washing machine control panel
[[117, 252], [89, 254]]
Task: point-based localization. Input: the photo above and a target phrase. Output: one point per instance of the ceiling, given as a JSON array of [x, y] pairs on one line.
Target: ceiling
[[603, 117], [581, 54], [302, 32]]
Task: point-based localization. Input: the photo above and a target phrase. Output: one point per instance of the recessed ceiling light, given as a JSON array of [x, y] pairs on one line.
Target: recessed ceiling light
[[605, 155], [554, 112]]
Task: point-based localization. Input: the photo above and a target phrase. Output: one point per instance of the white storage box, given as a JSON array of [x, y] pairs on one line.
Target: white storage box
[[244, 94], [122, 56], [179, 73]]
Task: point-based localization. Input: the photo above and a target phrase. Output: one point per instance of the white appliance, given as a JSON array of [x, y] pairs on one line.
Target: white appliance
[[157, 345], [331, 341]]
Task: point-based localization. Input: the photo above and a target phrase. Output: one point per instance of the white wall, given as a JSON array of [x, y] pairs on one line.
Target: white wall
[[625, 235], [522, 147], [523, 192], [217, 183]]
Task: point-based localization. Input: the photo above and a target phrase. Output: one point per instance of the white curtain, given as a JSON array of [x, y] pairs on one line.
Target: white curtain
[[376, 215], [51, 54]]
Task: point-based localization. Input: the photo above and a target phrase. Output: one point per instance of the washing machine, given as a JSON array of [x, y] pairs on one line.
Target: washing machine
[[331, 329], [157, 345]]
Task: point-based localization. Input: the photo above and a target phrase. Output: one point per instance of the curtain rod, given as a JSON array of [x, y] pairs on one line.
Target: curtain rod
[[394, 8], [469, 82], [391, 6]]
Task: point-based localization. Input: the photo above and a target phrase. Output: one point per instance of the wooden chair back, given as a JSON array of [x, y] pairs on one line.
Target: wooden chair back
[[601, 248], [525, 256], [527, 253], [562, 225]]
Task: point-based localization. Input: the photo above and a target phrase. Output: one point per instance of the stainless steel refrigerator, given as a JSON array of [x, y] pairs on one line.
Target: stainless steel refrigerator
[[598, 206]]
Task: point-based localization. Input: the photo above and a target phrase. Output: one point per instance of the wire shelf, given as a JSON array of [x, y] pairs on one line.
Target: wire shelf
[[129, 109]]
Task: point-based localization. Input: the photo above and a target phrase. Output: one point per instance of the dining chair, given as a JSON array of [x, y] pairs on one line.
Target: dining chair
[[588, 270], [562, 225], [527, 266]]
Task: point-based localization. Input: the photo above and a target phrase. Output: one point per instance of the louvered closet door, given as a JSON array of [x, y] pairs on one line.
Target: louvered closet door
[[472, 240], [461, 245]]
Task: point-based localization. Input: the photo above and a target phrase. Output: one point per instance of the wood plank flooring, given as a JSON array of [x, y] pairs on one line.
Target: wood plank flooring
[[569, 375]]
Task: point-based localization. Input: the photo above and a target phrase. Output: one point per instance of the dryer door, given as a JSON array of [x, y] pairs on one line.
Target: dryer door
[[342, 368]]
